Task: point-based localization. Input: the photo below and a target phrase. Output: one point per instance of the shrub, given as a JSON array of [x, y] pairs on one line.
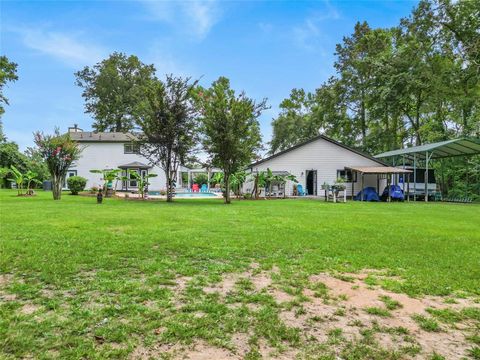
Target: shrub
[[200, 179], [76, 184]]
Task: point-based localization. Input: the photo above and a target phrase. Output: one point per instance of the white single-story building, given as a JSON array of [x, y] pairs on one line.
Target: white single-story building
[[114, 150], [318, 161]]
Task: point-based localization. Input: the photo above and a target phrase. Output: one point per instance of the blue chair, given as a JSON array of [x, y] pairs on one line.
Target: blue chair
[[300, 190], [204, 188]]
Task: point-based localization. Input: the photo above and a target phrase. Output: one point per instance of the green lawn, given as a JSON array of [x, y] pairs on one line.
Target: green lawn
[[90, 271]]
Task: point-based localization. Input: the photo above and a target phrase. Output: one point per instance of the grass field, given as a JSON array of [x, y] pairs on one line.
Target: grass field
[[151, 279]]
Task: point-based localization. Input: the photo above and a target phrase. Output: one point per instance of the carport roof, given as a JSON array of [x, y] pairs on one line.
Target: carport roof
[[438, 150], [377, 169]]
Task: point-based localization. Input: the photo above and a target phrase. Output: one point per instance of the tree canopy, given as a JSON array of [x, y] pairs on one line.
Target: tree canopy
[[415, 83], [230, 128], [168, 125], [112, 90], [8, 72]]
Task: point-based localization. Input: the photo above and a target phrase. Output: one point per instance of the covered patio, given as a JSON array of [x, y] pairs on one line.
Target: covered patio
[[139, 167], [191, 172], [381, 172]]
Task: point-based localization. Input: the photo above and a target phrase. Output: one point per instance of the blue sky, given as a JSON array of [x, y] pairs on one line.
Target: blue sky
[[265, 47]]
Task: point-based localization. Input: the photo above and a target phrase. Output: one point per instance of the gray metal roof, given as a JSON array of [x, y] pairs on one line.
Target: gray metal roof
[[135, 164], [90, 136], [438, 150]]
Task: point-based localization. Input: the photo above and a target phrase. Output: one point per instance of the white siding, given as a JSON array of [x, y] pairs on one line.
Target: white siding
[[323, 156], [110, 155]]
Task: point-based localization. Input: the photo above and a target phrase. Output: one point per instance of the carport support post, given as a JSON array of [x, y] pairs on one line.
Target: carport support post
[[426, 176], [389, 180], [408, 186], [414, 177], [361, 189], [353, 185]]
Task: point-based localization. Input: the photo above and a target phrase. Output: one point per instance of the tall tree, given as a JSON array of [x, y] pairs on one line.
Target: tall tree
[[294, 123], [168, 126], [8, 72], [112, 89], [230, 127]]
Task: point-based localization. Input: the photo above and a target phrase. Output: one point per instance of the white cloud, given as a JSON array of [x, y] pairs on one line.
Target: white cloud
[[265, 27], [196, 17], [68, 48], [308, 34]]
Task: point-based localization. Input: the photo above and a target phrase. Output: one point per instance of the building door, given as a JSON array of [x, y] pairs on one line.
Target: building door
[[311, 182], [132, 182]]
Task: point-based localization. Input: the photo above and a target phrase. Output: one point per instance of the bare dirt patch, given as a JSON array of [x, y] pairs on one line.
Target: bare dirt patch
[[355, 296], [226, 285], [29, 309], [203, 351], [5, 279], [342, 307]]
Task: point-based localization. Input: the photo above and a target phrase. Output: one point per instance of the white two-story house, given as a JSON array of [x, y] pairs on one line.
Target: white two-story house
[[114, 150]]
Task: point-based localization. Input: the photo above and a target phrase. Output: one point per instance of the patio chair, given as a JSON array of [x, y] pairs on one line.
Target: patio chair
[[300, 190], [195, 188], [204, 188]]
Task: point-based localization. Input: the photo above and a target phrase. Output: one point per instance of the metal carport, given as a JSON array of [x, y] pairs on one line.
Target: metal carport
[[427, 152]]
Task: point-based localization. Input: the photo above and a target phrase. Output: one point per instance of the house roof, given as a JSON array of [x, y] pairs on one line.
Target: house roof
[[135, 164], [90, 136], [377, 169], [323, 137], [438, 150], [279, 172]]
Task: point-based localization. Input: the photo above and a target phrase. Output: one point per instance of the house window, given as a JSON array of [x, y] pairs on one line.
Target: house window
[[348, 175], [131, 149]]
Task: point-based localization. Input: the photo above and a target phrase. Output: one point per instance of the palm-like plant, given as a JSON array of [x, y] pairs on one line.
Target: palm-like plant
[[217, 178], [259, 182], [30, 179], [108, 176], [142, 181], [18, 179], [264, 179], [236, 182]]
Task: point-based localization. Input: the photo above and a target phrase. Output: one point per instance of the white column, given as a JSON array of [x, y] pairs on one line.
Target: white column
[[208, 177]]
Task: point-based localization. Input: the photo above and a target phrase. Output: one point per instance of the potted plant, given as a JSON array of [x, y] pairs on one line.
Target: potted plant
[[326, 188], [337, 187]]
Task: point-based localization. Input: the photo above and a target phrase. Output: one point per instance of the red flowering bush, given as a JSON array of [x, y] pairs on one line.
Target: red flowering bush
[[59, 152]]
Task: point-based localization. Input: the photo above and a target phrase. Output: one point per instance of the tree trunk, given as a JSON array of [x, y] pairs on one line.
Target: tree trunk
[[363, 125], [169, 184], [255, 187], [57, 187], [227, 189]]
